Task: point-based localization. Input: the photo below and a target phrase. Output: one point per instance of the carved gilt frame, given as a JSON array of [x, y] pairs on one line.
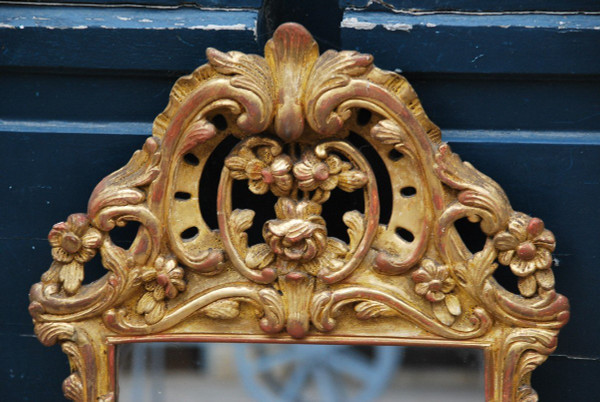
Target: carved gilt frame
[[409, 281]]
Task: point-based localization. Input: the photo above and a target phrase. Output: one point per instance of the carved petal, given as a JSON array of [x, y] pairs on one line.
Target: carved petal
[[505, 241], [241, 220], [59, 254], [351, 180], [92, 239], [71, 275], [259, 256], [453, 305], [528, 286], [546, 240], [146, 303], [156, 314], [522, 268], [543, 258], [505, 257], [545, 278], [258, 186], [441, 313]]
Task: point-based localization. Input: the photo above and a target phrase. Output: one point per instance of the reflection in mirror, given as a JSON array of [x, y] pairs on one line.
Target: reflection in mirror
[[165, 372]]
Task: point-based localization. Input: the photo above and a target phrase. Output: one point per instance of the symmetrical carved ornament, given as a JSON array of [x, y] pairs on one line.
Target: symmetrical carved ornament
[[302, 122]]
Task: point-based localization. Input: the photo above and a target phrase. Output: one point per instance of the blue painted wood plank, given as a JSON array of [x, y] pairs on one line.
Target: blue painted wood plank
[[457, 102], [453, 43], [120, 38], [160, 3], [473, 5]]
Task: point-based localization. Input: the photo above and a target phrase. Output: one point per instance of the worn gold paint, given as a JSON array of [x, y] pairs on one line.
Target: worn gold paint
[[292, 112]]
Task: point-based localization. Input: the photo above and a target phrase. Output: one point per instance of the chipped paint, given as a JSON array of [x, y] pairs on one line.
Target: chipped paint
[[123, 18], [212, 27], [430, 25], [398, 27], [2, 25], [80, 27], [354, 23], [145, 20]]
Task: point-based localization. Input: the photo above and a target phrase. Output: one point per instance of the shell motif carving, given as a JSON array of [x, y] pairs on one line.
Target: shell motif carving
[[305, 127]]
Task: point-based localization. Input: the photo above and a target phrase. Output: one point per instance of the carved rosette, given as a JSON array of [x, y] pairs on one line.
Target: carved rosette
[[294, 114]]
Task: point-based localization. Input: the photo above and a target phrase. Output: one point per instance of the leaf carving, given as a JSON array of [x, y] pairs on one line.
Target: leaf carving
[[479, 195], [222, 309], [356, 227], [241, 220], [372, 309]]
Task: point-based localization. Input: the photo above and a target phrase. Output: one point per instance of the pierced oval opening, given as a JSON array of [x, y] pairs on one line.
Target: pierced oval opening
[[363, 117], [220, 122], [182, 195], [209, 181], [191, 159], [189, 233], [405, 234], [408, 192], [384, 183], [395, 155]]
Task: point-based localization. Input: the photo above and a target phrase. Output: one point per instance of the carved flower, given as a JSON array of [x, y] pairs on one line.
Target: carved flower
[[299, 233], [265, 169], [163, 280], [434, 283], [314, 173], [526, 247], [74, 243], [297, 238]]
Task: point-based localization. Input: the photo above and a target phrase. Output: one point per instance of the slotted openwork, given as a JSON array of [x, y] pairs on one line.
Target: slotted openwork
[[407, 280]]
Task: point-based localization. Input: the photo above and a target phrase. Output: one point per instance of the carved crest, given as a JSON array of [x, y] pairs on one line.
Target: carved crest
[[295, 115]]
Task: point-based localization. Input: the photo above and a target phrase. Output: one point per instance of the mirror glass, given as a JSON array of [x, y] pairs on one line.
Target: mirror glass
[[165, 372]]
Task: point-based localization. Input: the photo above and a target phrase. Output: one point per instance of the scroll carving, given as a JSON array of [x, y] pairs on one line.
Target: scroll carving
[[296, 115]]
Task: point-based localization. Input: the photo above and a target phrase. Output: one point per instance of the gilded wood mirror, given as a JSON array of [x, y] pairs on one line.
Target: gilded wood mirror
[[301, 128]]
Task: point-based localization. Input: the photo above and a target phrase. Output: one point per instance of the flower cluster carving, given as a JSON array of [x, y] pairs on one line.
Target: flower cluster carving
[[294, 113]]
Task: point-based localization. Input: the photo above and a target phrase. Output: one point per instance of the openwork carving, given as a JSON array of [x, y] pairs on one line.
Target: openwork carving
[[296, 115]]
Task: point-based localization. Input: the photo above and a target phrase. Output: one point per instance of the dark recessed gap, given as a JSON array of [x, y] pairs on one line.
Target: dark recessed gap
[[220, 122], [182, 195], [123, 236], [191, 159], [263, 206], [395, 155], [93, 270], [336, 206], [363, 117], [507, 279], [384, 184], [405, 234], [209, 182], [408, 192], [470, 234], [189, 233]]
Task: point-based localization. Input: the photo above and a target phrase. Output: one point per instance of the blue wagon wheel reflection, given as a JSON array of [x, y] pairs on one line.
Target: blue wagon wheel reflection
[[327, 373]]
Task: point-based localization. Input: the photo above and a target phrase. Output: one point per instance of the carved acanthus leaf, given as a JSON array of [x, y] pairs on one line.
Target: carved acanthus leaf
[[122, 187], [479, 195], [372, 309], [222, 309]]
